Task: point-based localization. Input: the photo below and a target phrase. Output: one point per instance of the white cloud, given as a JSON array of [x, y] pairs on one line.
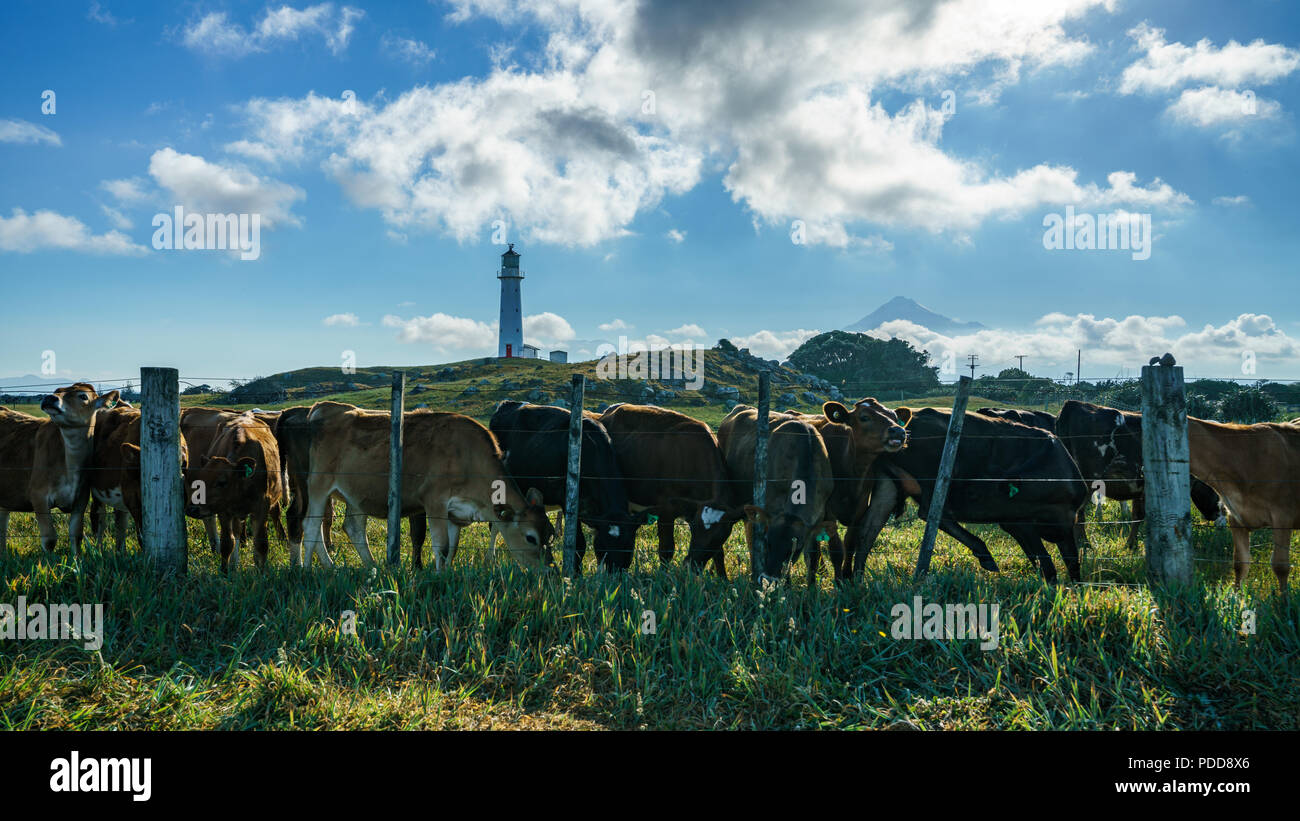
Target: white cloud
[[448, 333], [1110, 344], [45, 230], [21, 131], [347, 320], [773, 344], [126, 191], [116, 217], [102, 15], [216, 35], [1168, 66], [200, 185], [411, 51], [615, 325], [1211, 106], [688, 332], [675, 236], [1228, 202], [547, 328], [567, 153], [444, 332]]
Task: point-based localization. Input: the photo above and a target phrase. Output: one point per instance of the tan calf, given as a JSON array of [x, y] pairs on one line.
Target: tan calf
[[1255, 469], [452, 473]]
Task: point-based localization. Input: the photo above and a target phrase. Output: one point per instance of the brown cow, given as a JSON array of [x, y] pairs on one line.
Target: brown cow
[[46, 461], [1254, 469], [799, 484], [115, 468], [199, 426], [238, 478], [672, 466], [293, 436], [452, 473], [853, 441]]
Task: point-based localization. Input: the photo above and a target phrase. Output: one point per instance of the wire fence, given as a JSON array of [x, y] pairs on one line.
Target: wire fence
[[598, 393]]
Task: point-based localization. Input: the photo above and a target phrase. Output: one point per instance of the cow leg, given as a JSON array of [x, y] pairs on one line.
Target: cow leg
[[884, 498], [580, 550], [418, 524], [437, 541], [119, 529], [45, 524], [1281, 557], [77, 525], [453, 539], [1241, 549], [1030, 542], [262, 521], [667, 538], [354, 524], [314, 524], [1139, 514], [973, 542], [210, 525], [835, 547], [227, 546]]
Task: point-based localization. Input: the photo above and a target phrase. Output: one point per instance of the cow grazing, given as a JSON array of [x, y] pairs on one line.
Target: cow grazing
[[1016, 476], [672, 467], [799, 485], [239, 478], [536, 443], [1254, 469], [452, 473], [293, 436], [46, 461], [1106, 444], [853, 438]]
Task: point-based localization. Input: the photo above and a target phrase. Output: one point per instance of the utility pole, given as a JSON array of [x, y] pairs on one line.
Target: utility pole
[[1020, 358], [974, 358], [1078, 367]]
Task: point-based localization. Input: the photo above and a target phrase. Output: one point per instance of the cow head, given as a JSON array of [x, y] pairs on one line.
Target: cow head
[[527, 532], [224, 484], [76, 405], [876, 429], [787, 537]]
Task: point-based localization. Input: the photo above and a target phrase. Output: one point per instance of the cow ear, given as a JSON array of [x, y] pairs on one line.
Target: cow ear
[[247, 467], [504, 513], [904, 415], [836, 412], [107, 400], [130, 454], [534, 497]]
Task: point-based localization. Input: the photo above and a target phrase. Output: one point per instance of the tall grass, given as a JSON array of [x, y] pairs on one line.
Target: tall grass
[[487, 644]]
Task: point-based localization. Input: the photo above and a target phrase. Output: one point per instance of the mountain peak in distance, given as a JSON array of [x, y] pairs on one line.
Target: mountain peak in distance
[[901, 307]]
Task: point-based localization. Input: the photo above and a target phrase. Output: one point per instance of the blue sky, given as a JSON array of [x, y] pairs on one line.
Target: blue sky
[[918, 145]]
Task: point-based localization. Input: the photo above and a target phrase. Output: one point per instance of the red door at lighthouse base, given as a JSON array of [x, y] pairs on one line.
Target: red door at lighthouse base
[[508, 354]]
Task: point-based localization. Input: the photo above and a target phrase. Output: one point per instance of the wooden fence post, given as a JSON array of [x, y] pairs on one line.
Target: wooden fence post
[[574, 474], [939, 497], [162, 489], [395, 442], [1167, 482], [758, 547]]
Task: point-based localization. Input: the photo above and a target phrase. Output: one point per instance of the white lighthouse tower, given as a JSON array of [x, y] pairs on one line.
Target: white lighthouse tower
[[511, 342]]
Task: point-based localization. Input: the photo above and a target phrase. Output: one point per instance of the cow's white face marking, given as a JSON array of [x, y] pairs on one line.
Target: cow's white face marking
[[710, 516], [613, 531], [1119, 420]]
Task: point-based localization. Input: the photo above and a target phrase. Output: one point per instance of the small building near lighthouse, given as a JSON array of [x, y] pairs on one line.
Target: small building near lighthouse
[[510, 342]]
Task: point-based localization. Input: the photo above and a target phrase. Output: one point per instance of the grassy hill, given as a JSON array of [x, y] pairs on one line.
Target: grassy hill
[[475, 386]]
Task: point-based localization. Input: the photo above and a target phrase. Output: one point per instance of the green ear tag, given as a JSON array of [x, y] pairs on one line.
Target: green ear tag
[[822, 537], [248, 471], [1012, 490], [651, 519]]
